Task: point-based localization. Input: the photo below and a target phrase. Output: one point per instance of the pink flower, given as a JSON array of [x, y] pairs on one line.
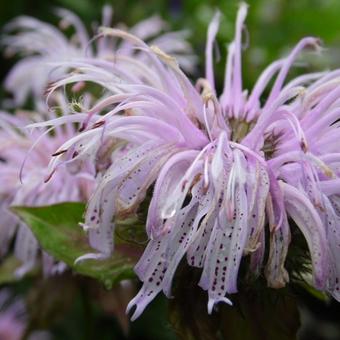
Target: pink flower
[[223, 169], [44, 45], [306, 162], [23, 170]]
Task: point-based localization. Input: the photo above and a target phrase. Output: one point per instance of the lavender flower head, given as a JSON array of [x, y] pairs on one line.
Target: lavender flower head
[[225, 170], [43, 45], [25, 154]]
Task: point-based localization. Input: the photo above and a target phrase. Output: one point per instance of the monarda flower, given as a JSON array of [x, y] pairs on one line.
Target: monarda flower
[[43, 45], [306, 162], [223, 169], [24, 158]]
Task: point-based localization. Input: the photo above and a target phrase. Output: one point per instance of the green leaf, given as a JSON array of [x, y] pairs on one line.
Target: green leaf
[[56, 227], [317, 294]]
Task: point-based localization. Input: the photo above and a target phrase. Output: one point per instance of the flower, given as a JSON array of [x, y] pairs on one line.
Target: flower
[[24, 159], [306, 161], [43, 45], [223, 170], [13, 319]]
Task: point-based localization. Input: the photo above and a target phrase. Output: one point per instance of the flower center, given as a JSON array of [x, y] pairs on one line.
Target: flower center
[[239, 129], [271, 141]]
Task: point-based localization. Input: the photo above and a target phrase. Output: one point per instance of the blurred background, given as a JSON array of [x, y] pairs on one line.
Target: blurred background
[[78, 308]]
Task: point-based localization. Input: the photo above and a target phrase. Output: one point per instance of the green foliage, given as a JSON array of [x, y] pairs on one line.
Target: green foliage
[[57, 229]]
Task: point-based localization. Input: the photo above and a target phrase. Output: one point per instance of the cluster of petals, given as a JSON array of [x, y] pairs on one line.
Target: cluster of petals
[[27, 145], [25, 156], [225, 170], [44, 46]]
